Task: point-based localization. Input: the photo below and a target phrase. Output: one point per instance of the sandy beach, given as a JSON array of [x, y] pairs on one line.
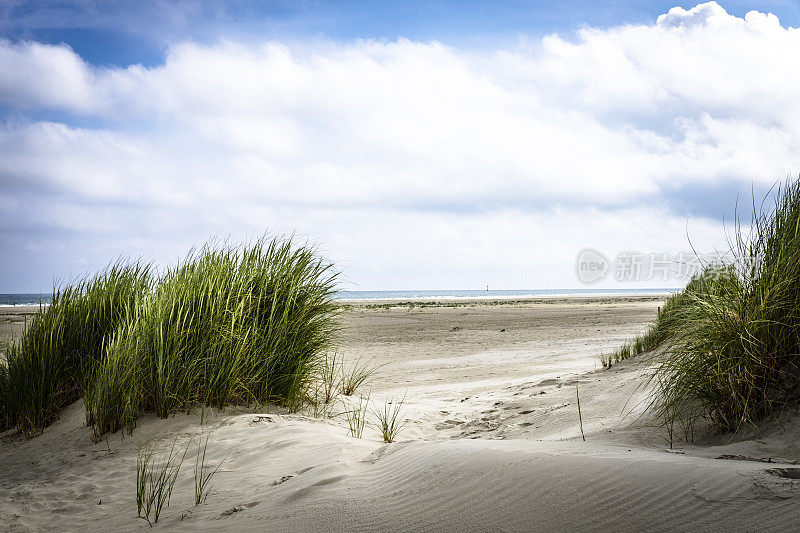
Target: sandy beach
[[452, 266], [492, 441], [12, 321]]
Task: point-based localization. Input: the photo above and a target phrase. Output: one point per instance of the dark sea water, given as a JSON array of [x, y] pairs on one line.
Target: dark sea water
[[25, 299], [35, 299]]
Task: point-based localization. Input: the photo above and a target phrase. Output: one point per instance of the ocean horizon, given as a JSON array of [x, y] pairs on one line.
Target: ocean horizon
[[500, 294], [14, 299]]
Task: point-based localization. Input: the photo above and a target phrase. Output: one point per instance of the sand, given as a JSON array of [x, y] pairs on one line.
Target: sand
[[491, 442], [12, 322]]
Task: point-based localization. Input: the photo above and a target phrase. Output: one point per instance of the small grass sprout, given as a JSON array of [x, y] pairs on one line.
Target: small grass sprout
[[202, 472], [356, 417], [356, 376], [155, 481], [389, 420]]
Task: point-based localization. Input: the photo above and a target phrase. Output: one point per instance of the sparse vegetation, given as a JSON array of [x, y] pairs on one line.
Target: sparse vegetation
[[329, 379], [318, 409], [155, 481], [667, 323], [203, 473], [357, 417], [389, 421], [356, 376]]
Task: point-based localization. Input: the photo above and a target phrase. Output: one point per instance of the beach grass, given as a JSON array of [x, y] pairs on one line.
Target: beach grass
[[155, 481], [731, 338], [48, 366], [329, 376], [356, 376], [227, 325], [203, 472], [389, 421], [357, 418], [668, 322], [5, 421]]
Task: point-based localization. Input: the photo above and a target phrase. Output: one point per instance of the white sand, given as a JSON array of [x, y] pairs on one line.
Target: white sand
[[492, 442]]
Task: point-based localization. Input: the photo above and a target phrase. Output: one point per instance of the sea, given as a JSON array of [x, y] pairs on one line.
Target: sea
[[494, 294], [7, 300]]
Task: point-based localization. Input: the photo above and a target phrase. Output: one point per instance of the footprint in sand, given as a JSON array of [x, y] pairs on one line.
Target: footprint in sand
[[238, 508]]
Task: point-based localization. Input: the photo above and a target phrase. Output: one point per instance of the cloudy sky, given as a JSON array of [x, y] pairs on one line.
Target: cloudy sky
[[421, 145]]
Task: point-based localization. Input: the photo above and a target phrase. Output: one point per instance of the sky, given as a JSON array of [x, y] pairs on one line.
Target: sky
[[418, 145]]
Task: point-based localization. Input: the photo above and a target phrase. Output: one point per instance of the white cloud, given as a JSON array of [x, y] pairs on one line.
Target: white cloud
[[36, 75], [414, 163]]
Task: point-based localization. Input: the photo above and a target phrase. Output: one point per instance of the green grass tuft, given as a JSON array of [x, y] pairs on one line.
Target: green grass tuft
[[389, 421], [155, 481], [47, 368], [358, 374], [732, 337], [357, 417], [735, 360], [229, 325]]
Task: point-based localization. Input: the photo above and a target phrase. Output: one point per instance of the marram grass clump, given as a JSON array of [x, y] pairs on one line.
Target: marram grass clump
[[732, 337], [48, 366], [737, 358], [5, 423], [227, 325]]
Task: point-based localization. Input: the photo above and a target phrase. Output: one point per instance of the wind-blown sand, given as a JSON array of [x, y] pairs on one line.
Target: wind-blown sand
[[492, 442]]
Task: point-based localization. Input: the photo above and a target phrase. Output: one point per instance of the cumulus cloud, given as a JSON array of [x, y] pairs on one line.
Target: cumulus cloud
[[415, 164]]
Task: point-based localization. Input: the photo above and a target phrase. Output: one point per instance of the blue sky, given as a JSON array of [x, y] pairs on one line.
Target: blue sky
[[123, 33], [421, 144]]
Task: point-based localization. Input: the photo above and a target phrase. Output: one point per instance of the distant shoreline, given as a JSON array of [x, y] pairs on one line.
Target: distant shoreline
[[507, 296], [493, 299]]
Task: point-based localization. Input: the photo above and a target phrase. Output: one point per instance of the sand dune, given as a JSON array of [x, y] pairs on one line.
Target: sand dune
[[492, 443]]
